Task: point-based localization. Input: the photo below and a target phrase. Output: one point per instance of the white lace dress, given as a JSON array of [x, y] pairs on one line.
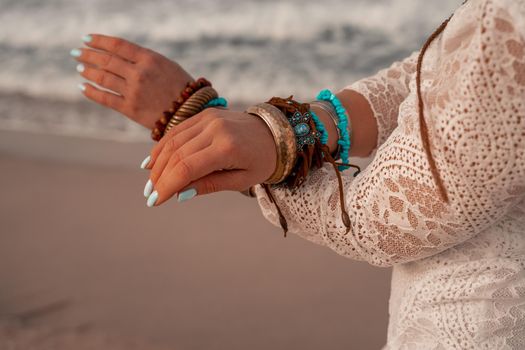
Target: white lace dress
[[458, 269]]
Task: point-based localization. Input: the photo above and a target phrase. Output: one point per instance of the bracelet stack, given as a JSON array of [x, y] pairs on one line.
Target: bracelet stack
[[195, 97], [292, 122]]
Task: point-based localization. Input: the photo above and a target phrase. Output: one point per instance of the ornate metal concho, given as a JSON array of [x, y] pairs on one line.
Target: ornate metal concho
[[301, 127]]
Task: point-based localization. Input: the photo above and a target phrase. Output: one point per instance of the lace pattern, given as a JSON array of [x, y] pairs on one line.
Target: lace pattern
[[458, 269]]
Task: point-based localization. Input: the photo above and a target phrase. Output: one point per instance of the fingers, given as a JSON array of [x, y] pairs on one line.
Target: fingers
[[185, 170], [105, 61], [178, 129], [105, 79], [178, 148], [117, 46], [104, 98], [222, 180]]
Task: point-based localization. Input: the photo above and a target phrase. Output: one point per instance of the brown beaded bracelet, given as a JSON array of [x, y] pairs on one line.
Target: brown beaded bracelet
[[161, 124]]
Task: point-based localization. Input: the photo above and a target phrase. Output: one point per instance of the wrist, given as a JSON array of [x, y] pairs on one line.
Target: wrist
[[364, 131]]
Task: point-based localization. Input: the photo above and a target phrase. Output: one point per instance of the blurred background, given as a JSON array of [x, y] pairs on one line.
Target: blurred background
[[85, 264]]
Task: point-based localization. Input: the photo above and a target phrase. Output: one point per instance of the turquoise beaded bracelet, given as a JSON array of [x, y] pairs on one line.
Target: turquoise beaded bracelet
[[216, 102], [344, 141]]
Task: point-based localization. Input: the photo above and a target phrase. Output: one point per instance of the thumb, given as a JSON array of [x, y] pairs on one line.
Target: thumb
[[222, 180]]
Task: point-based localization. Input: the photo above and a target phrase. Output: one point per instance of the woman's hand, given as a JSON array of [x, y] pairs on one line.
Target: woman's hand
[[145, 81], [215, 150]]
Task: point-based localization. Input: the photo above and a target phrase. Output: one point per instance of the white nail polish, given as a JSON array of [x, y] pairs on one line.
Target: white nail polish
[[152, 199], [145, 162], [75, 53], [148, 188], [188, 194], [82, 87], [80, 68]]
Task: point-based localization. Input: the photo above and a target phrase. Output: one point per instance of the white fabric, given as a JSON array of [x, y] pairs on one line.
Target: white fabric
[[458, 269]]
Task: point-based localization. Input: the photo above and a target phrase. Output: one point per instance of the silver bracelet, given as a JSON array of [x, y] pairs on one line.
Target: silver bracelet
[[328, 108]]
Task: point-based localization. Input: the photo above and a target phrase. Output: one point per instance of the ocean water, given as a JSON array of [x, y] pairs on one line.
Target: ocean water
[[250, 50]]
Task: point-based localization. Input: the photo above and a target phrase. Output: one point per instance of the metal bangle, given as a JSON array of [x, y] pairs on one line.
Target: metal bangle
[[284, 137], [330, 110], [193, 105]]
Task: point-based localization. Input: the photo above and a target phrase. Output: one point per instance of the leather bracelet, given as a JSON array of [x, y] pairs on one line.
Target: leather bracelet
[[193, 105], [330, 110], [284, 137]]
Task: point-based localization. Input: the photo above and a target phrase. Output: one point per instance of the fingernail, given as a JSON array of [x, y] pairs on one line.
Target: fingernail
[[152, 199], [82, 87], [145, 162], [87, 38], [75, 53], [188, 194], [148, 188], [80, 68]]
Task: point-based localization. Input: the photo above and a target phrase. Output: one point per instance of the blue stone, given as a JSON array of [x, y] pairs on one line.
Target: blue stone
[[301, 129]]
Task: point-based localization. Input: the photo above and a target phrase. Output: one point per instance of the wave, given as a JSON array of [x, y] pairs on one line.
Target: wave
[[265, 47]]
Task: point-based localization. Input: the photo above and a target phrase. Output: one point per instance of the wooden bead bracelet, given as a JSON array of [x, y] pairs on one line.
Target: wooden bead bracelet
[[161, 124]]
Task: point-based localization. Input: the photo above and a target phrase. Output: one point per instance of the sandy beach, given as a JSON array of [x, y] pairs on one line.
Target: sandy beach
[[84, 264]]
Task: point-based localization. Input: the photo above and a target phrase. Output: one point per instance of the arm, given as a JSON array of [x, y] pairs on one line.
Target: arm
[[373, 105], [477, 136], [383, 93]]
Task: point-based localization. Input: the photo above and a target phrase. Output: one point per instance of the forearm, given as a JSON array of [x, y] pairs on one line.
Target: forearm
[[364, 125]]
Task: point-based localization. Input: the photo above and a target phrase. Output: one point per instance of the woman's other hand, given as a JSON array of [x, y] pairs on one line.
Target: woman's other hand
[[215, 150], [144, 82]]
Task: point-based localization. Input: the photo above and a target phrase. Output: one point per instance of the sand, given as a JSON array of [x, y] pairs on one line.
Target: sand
[[84, 264]]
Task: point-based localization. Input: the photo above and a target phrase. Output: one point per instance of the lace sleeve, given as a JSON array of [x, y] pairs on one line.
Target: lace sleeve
[[385, 91], [474, 94]]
